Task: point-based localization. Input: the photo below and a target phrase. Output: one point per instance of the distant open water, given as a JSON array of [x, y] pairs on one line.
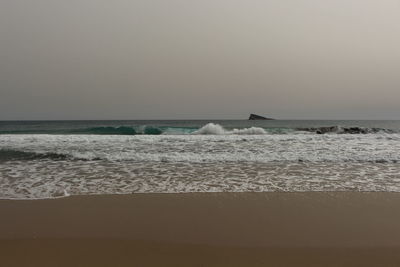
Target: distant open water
[[48, 159]]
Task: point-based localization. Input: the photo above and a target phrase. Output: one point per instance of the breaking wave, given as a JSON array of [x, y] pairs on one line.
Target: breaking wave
[[208, 129], [217, 129]]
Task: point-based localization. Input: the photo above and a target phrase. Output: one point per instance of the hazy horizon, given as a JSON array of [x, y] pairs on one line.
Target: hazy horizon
[[203, 119], [149, 60]]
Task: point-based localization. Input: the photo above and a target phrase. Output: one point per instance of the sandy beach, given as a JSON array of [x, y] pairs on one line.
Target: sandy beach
[[203, 229]]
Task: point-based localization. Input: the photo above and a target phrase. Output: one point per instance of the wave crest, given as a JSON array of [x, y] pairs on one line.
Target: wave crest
[[216, 129], [207, 129]]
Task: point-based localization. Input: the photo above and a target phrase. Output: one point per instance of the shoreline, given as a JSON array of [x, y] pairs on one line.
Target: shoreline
[[334, 192], [214, 229]]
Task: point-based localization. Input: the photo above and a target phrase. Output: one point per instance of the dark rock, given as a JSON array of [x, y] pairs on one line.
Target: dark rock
[[345, 130], [258, 117], [321, 130]]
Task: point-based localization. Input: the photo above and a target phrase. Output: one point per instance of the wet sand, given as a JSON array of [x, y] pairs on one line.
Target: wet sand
[[204, 229]]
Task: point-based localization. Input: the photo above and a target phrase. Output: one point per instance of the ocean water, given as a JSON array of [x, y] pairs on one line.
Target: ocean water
[[49, 159]]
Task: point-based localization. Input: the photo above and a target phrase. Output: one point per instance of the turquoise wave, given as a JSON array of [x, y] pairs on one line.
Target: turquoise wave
[[110, 130]]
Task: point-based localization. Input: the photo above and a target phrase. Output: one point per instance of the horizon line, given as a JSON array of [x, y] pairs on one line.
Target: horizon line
[[11, 120]]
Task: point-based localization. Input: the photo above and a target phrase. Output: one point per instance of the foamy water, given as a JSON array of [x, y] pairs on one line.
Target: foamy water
[[206, 159]]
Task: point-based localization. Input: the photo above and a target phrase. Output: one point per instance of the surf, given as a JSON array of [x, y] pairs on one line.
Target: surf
[[216, 129]]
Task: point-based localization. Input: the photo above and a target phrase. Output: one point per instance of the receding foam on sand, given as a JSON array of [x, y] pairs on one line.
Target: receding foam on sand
[[203, 229]]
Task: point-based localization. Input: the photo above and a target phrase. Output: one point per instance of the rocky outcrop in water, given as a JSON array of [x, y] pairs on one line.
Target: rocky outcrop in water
[[258, 117], [344, 130]]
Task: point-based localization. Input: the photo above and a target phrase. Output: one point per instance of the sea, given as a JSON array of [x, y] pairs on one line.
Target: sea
[[52, 159]]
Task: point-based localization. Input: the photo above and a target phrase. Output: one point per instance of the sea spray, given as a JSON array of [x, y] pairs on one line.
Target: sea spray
[[216, 129]]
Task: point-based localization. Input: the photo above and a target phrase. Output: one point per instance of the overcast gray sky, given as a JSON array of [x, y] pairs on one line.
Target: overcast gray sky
[[182, 59]]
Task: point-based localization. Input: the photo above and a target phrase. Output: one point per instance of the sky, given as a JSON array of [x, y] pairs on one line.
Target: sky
[[208, 59]]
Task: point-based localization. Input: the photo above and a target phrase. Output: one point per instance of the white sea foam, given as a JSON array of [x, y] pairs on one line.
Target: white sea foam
[[211, 128], [46, 179], [213, 148], [216, 129], [97, 164]]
